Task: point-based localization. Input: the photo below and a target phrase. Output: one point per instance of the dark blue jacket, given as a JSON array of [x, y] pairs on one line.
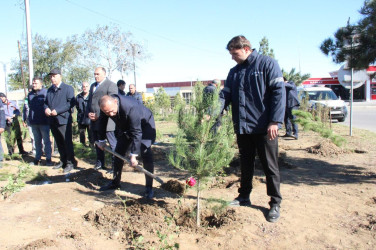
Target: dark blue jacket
[[127, 120], [81, 106], [256, 91], [210, 89], [36, 115], [2, 115], [136, 96], [292, 99], [62, 100]]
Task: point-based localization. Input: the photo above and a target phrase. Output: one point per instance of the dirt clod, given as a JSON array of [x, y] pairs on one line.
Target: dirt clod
[[37, 244], [174, 186]]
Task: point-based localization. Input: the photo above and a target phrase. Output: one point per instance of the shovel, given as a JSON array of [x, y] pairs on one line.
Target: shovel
[[172, 186], [138, 167]]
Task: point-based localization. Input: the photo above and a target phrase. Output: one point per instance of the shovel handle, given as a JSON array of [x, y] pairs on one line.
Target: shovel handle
[[139, 168]]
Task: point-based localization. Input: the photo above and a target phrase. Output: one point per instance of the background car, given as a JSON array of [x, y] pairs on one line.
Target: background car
[[326, 97]]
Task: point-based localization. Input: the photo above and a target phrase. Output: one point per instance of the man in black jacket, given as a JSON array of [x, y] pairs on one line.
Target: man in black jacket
[[58, 108], [137, 133], [82, 120], [102, 86], [256, 91]]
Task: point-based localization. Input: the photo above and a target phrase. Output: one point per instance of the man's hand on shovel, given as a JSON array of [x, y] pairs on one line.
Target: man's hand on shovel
[[133, 161]]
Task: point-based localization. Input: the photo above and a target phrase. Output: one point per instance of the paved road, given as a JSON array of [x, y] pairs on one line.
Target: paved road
[[364, 116]]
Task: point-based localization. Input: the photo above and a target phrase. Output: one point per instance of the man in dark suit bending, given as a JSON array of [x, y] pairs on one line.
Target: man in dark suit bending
[[102, 86], [137, 133]]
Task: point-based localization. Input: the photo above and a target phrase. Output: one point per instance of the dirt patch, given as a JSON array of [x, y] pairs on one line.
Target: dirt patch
[[134, 218], [89, 178], [371, 223], [174, 186], [37, 244], [326, 148]]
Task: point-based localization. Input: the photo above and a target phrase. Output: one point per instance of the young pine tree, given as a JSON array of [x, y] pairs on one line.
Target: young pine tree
[[199, 148]]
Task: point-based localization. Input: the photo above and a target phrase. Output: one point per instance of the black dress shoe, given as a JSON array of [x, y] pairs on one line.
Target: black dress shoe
[[69, 167], [287, 135], [59, 165], [98, 166], [273, 214], [240, 201], [110, 186]]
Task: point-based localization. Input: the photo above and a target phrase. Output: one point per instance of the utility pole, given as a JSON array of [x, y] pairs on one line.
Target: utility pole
[[29, 45], [5, 77], [22, 73]]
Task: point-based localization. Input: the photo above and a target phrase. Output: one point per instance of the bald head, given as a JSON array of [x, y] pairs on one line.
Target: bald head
[[132, 89], [109, 105]]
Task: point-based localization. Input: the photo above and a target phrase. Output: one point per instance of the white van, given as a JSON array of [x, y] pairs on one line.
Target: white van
[[326, 97]]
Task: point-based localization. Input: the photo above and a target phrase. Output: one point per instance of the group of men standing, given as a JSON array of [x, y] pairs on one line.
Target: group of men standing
[[254, 88]]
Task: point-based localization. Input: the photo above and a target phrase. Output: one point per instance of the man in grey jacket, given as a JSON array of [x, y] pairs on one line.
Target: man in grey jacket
[[102, 86], [256, 91]]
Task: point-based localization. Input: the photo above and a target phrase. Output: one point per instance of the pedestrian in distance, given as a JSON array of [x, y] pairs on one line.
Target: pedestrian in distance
[[39, 121], [121, 86], [292, 103], [12, 128], [133, 93], [102, 86], [256, 91], [83, 120], [137, 134], [58, 108]]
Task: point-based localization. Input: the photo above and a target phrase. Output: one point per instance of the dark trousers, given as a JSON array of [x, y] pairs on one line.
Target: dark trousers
[[63, 139], [290, 125], [147, 159], [267, 151], [82, 129], [111, 140]]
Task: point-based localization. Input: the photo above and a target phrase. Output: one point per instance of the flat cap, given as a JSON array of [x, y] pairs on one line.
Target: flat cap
[[55, 71]]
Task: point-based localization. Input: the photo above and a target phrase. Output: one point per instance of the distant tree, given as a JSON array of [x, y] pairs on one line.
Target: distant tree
[[355, 44], [48, 54], [112, 48], [162, 101], [178, 102], [264, 48], [295, 77]]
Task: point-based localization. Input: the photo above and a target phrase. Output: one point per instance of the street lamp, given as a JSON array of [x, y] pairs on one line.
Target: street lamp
[[134, 52]]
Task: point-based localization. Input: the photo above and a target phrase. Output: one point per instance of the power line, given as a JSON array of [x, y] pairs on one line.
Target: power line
[[142, 30]]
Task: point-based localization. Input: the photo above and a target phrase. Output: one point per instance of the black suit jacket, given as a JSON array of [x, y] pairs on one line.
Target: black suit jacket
[[62, 100], [292, 99], [107, 87], [134, 120]]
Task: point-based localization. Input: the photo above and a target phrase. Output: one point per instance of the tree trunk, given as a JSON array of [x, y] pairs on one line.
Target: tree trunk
[[198, 221]]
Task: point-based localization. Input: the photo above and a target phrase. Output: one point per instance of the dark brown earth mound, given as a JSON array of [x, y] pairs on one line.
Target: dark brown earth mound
[[174, 186], [326, 148]]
